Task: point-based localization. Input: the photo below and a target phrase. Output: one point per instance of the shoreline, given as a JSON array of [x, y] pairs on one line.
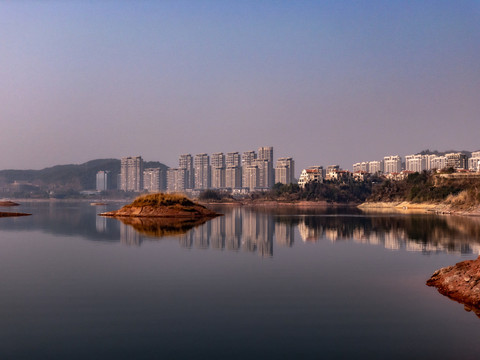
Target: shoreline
[[407, 207]]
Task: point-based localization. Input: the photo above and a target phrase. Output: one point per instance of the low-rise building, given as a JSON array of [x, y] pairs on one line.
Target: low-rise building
[[311, 174]]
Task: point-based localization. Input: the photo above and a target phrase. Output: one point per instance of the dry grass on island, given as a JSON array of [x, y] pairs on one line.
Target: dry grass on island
[[162, 205]]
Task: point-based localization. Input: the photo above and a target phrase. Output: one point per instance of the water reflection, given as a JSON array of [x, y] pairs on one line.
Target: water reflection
[[259, 230], [424, 233]]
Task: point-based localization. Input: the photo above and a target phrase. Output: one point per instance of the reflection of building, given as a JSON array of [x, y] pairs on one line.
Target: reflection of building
[[131, 173], [129, 236], [284, 234], [308, 233], [186, 240], [217, 239], [202, 235]]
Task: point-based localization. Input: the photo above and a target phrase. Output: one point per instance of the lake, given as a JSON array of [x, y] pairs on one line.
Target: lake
[[253, 284]]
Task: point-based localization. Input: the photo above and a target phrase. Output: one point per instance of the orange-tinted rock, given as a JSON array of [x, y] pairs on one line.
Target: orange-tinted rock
[[460, 282]]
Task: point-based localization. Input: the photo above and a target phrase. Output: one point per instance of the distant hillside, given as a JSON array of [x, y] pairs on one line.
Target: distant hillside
[[75, 177]]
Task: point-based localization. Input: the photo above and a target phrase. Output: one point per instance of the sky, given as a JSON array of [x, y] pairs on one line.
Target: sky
[[325, 82]]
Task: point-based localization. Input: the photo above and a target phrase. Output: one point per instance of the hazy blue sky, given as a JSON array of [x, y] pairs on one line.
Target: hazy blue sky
[[323, 81]]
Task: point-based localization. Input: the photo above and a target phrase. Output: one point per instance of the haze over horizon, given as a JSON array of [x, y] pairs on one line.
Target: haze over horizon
[[324, 82]]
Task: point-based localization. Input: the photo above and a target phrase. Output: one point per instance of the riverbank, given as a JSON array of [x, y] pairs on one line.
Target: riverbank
[[425, 207]]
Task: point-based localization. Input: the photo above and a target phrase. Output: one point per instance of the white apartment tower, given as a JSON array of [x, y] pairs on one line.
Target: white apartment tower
[[474, 161], [176, 180], [102, 180], [233, 171], [415, 163], [131, 173], [185, 161], [375, 167], [267, 175], [392, 164], [202, 171], [251, 177], [152, 180], [285, 170], [218, 171], [248, 158]]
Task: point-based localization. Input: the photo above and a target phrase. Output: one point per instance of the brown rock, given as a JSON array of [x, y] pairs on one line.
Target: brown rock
[[460, 282], [163, 206]]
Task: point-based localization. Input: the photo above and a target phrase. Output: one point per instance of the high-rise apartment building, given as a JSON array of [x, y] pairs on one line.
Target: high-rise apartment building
[[392, 164], [131, 173], [474, 161], [218, 171], [438, 162], [456, 160], [185, 161], [361, 166], [153, 180], [285, 170], [248, 158], [267, 175], [233, 171], [415, 163], [102, 180], [176, 180], [202, 171], [375, 167], [251, 177]]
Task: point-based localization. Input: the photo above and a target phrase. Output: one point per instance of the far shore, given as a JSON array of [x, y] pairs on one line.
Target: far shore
[[408, 207]]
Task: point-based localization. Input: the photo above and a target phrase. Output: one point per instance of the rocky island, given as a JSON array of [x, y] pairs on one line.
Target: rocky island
[[169, 206], [460, 282]]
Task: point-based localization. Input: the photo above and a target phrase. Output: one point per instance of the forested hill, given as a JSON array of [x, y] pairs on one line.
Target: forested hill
[[73, 176]]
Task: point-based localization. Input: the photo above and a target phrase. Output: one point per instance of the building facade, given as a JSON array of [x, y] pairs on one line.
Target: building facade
[[131, 173], [265, 166], [202, 171], [176, 180], [456, 160], [392, 164], [285, 170], [415, 163], [311, 174], [102, 180], [218, 171], [185, 161], [153, 180]]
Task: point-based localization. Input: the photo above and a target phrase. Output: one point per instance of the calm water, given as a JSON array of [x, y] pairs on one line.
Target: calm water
[[252, 284]]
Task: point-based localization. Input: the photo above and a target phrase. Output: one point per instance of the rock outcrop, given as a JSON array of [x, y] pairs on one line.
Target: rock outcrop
[[8, 203], [460, 282], [163, 206]]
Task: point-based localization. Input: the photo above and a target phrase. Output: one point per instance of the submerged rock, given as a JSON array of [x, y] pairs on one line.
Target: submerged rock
[[8, 203], [460, 282], [163, 206]]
